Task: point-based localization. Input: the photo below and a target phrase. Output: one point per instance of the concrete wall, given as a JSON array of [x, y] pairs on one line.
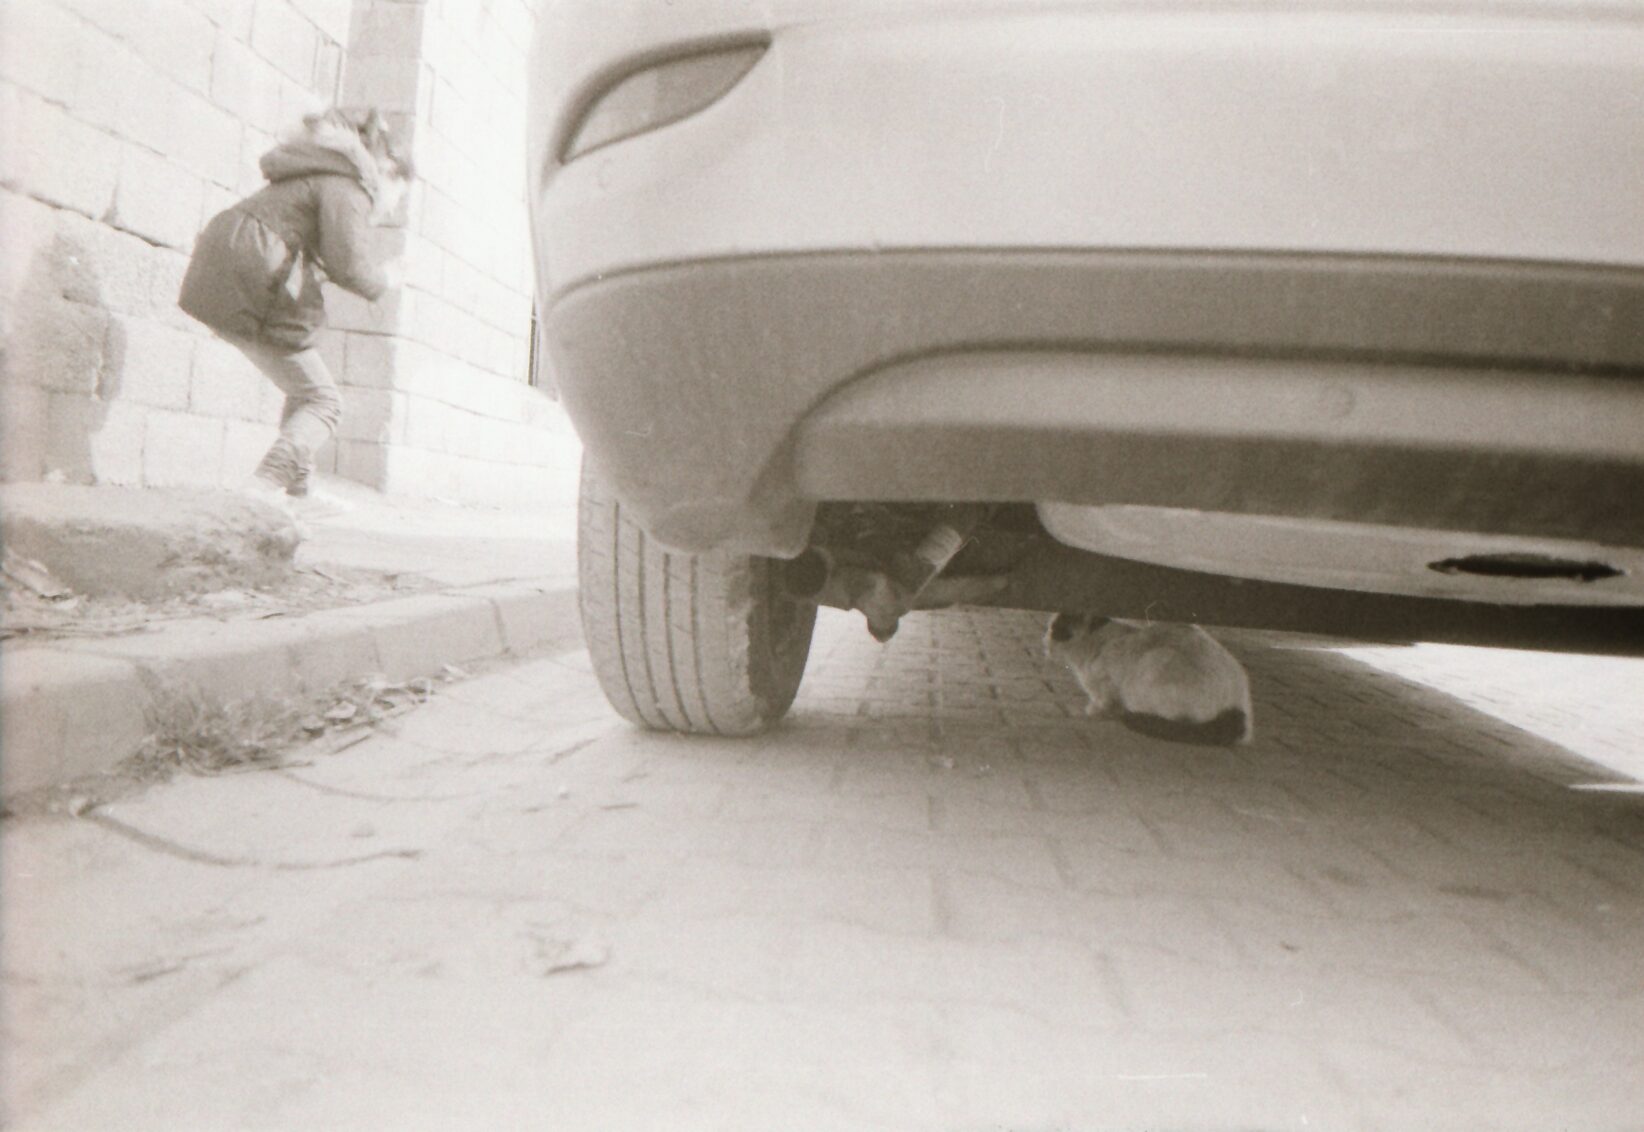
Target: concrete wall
[[126, 124]]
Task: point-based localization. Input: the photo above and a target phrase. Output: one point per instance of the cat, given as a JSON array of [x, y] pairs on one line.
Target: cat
[[1172, 682]]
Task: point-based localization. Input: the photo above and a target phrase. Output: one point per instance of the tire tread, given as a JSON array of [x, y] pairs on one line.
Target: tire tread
[[671, 635]]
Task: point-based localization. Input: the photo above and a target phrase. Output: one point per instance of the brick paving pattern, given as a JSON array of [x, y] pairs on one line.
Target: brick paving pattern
[[939, 898]]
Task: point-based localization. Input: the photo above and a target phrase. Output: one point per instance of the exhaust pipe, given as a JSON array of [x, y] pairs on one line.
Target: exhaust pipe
[[911, 582]]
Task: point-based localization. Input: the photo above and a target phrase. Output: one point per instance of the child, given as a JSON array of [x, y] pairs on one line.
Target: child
[[255, 274]]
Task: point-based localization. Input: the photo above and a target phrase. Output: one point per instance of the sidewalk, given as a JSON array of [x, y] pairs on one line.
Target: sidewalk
[[395, 587]]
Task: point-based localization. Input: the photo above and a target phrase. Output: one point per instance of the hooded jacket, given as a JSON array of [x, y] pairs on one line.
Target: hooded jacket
[[257, 267]]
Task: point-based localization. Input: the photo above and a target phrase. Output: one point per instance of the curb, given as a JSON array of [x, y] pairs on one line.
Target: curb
[[78, 707]]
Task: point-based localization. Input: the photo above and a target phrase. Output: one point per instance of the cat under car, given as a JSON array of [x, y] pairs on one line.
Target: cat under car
[[1173, 682]]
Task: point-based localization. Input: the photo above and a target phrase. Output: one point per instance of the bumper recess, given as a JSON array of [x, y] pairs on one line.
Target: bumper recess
[[721, 400]]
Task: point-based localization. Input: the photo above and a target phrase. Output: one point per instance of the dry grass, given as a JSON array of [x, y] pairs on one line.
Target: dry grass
[[193, 732]]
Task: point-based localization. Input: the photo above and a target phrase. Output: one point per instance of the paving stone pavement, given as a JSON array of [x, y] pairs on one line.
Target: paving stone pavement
[[939, 898]]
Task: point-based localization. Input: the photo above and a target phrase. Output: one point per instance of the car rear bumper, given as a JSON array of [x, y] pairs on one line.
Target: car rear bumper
[[723, 399], [1417, 128]]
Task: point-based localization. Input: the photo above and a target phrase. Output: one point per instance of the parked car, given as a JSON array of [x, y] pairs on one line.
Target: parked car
[[1321, 317]]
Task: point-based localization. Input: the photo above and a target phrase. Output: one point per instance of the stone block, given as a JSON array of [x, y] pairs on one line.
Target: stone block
[[39, 48], [95, 441], [462, 285], [454, 113], [176, 40], [389, 82], [71, 421], [216, 198], [245, 85], [23, 413], [427, 424], [437, 165], [444, 326], [413, 471], [222, 383], [387, 28], [244, 443], [328, 70], [270, 400], [55, 157], [334, 18], [298, 98], [181, 449], [424, 264], [206, 141], [489, 395], [253, 146], [232, 17], [363, 462], [147, 362], [166, 267], [516, 21], [65, 715], [125, 94], [347, 311], [157, 200], [118, 21], [57, 344], [331, 345], [501, 351], [374, 360], [500, 305], [472, 435], [448, 224], [286, 39], [376, 415], [27, 229], [99, 266], [424, 370]]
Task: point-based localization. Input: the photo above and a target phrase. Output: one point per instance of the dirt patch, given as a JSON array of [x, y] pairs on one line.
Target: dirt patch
[[148, 544], [38, 607]]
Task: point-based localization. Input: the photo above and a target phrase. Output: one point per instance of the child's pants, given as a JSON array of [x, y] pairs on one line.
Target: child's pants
[[312, 409]]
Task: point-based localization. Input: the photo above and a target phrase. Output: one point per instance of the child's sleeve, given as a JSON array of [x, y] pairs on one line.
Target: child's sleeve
[[345, 242]]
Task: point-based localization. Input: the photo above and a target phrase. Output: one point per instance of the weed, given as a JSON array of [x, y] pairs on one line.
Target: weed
[[201, 734], [194, 732]]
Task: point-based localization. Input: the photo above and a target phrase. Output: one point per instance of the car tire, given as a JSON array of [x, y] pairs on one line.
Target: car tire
[[703, 644]]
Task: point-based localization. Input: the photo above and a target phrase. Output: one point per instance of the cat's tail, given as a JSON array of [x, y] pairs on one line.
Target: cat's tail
[[1230, 727]]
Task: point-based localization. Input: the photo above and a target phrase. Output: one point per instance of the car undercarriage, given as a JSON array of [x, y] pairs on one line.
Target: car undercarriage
[[868, 556]]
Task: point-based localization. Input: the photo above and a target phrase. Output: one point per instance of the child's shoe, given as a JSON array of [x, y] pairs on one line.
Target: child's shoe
[[316, 503], [265, 491]]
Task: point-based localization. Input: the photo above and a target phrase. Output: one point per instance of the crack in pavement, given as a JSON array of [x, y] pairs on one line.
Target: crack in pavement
[[201, 857], [342, 792]]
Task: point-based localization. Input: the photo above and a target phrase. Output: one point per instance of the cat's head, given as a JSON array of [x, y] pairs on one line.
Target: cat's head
[[1070, 631]]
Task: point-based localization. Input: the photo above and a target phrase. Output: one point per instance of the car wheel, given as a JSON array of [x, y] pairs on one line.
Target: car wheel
[[705, 644]]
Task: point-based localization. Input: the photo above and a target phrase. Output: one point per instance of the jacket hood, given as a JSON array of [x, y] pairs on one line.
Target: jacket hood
[[325, 144]]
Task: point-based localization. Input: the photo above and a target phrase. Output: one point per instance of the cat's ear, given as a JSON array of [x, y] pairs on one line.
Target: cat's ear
[[1066, 626]]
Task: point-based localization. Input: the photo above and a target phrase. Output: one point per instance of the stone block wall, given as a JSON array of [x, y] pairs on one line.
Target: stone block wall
[[126, 124], [438, 372]]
